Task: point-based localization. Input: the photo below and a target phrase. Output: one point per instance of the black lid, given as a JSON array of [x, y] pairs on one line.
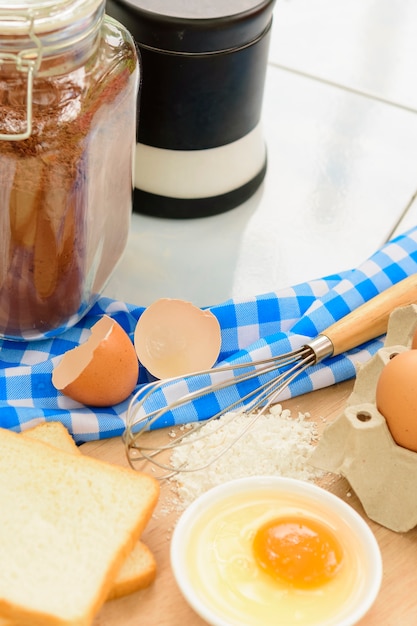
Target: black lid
[[193, 26]]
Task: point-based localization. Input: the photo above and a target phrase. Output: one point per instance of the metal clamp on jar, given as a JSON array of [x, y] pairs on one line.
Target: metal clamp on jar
[[69, 81]]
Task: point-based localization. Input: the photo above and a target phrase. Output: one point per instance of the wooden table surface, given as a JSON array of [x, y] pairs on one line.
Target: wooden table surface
[[162, 604]]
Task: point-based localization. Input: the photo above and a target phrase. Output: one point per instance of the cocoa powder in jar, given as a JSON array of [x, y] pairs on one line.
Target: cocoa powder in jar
[[65, 191]]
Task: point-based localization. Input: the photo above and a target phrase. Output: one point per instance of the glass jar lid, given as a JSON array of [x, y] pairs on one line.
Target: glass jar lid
[[33, 30], [44, 15]]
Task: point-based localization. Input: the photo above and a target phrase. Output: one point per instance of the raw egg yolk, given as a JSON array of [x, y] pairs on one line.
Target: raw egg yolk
[[302, 552]]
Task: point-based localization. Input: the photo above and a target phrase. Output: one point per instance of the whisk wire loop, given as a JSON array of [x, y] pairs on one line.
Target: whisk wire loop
[[257, 399]]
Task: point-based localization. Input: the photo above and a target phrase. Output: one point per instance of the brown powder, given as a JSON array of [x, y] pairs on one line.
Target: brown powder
[[65, 191]]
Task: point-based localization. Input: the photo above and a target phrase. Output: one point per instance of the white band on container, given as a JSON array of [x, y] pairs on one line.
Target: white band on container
[[200, 173]]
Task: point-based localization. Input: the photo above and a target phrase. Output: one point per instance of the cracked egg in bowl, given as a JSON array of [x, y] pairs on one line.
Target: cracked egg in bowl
[[277, 552]]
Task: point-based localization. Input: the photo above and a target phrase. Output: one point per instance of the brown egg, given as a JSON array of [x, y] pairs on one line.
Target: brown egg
[[103, 370], [414, 340], [396, 398], [174, 337]]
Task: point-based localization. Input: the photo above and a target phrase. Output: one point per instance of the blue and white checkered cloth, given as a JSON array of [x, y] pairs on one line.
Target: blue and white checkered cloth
[[255, 328]]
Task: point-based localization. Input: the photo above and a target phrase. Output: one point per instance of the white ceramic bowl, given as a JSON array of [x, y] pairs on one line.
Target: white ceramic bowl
[[193, 555]]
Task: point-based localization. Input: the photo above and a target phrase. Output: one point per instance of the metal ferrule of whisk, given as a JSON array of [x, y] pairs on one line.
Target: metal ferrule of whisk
[[322, 347]]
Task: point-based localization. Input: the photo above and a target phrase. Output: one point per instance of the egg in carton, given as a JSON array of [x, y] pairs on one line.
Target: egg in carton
[[359, 446]]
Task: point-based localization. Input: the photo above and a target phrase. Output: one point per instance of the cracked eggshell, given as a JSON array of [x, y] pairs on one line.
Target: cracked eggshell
[[103, 370], [174, 338]]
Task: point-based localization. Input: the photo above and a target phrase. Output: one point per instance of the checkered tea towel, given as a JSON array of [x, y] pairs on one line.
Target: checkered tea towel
[[254, 328]]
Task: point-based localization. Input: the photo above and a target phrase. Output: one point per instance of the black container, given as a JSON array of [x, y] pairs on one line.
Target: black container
[[200, 148]]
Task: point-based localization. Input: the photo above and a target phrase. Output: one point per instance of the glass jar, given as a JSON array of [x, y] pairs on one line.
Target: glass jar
[[69, 79]]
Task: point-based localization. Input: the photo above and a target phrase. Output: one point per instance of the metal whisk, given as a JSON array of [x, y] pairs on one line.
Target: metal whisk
[[367, 322]]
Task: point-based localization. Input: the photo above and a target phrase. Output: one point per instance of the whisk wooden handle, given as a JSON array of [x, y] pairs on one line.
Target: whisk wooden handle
[[370, 320]]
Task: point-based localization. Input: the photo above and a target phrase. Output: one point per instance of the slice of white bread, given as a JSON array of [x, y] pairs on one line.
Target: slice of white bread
[[137, 572], [139, 568], [67, 523], [55, 434]]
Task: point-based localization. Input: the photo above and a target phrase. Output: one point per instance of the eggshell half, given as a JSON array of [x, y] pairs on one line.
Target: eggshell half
[[103, 370], [396, 398], [174, 338]]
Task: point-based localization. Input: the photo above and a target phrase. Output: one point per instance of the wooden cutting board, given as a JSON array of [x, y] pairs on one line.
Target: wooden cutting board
[[162, 604]]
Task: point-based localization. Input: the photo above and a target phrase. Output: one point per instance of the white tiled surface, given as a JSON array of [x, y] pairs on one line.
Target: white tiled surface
[[341, 132], [366, 45]]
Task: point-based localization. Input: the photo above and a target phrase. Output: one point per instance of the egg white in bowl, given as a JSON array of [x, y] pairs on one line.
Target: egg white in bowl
[[277, 552]]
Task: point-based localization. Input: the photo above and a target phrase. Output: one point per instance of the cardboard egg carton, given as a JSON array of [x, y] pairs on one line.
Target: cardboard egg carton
[[358, 444]]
